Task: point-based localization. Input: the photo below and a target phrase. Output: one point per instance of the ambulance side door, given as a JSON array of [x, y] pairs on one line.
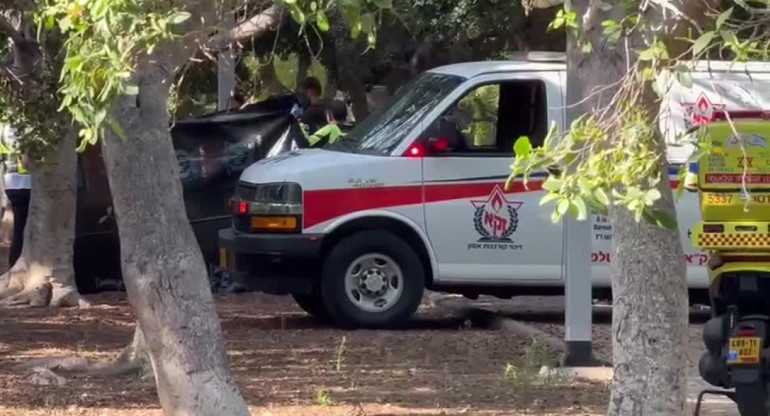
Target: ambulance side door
[[480, 232]]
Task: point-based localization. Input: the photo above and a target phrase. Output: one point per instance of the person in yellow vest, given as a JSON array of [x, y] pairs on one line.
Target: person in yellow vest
[[18, 183], [336, 127]]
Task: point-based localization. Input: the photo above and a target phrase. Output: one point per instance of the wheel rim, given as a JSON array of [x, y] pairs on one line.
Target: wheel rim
[[374, 283]]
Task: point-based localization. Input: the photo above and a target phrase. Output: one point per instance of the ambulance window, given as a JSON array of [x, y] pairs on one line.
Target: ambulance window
[[489, 118]]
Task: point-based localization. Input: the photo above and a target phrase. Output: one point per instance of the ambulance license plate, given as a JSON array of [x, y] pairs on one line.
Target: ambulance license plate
[[744, 350]]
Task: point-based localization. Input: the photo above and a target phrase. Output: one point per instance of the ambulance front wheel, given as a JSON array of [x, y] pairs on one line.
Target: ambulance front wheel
[[372, 279]]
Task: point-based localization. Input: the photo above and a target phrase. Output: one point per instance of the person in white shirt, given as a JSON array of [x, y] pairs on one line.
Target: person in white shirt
[[18, 183]]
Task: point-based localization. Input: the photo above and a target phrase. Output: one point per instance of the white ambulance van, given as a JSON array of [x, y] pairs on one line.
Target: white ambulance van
[[414, 198]]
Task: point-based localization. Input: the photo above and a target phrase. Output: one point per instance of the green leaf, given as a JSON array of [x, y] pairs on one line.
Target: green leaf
[[522, 147], [723, 17], [601, 196], [651, 196], [729, 37], [647, 54], [298, 15], [100, 116], [548, 198], [702, 42], [178, 17], [684, 76], [553, 184], [580, 206], [562, 206], [323, 22]]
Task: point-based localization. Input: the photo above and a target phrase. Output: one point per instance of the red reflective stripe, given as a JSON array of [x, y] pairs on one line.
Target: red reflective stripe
[[441, 193], [325, 204]]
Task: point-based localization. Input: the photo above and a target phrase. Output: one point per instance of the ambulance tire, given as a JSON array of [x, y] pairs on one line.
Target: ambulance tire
[[313, 305], [341, 258]]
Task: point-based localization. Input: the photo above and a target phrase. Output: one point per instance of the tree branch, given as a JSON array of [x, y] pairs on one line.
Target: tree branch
[[7, 28], [269, 20]]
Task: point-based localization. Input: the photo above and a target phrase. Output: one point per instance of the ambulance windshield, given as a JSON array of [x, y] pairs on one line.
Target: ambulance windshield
[[382, 131]]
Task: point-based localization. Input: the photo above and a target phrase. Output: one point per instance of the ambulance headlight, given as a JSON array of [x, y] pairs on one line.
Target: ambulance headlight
[[277, 199]]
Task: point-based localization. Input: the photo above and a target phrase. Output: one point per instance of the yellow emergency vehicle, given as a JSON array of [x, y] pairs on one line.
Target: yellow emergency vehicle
[[734, 189]]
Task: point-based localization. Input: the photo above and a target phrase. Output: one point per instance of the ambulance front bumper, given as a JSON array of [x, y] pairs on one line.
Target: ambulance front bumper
[[272, 263]]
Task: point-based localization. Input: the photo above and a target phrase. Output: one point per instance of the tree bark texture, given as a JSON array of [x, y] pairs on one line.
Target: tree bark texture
[[650, 313], [162, 265], [44, 274]]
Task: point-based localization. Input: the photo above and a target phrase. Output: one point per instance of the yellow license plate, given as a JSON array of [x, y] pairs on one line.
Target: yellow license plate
[[223, 258], [720, 200], [744, 350]]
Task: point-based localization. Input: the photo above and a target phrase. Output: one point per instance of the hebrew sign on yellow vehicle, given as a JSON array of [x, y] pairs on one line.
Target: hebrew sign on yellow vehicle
[[739, 160], [734, 177]]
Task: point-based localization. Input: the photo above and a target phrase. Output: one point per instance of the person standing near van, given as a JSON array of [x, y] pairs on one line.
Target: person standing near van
[[18, 183], [314, 114], [336, 127]]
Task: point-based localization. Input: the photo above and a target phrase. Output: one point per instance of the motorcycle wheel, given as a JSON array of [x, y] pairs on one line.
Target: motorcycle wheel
[[752, 399]]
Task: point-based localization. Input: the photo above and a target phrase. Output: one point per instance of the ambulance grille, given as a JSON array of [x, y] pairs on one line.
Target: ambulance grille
[[246, 191]]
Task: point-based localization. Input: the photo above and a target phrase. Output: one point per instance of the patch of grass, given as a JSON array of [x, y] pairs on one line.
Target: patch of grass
[[524, 371], [340, 354], [323, 397]]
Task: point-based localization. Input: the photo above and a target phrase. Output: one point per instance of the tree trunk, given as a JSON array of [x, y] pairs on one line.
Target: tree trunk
[[162, 265], [44, 274], [650, 314]]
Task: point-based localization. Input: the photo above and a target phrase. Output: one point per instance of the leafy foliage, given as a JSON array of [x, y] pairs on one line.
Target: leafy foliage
[[612, 156], [362, 16], [104, 39]]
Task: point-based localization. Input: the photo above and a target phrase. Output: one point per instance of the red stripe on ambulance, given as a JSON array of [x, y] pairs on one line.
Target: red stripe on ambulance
[[324, 205]]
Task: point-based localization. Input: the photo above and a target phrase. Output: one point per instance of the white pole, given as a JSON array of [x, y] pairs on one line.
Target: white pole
[[577, 293], [577, 259]]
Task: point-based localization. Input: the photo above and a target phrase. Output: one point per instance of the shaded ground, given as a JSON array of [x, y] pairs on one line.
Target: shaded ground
[[288, 365]]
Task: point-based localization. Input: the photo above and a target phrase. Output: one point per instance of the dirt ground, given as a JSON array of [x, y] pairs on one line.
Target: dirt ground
[[287, 364]]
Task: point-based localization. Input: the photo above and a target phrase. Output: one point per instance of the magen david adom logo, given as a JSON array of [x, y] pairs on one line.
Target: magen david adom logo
[[496, 218]]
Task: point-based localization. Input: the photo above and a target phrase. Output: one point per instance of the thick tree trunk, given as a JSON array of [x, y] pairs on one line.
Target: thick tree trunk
[[649, 289], [650, 314], [162, 265], [44, 274]]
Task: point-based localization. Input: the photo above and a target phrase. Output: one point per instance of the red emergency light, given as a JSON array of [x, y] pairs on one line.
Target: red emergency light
[[415, 150]]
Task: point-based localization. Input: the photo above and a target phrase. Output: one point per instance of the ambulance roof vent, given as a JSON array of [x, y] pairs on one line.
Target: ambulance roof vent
[[540, 56]]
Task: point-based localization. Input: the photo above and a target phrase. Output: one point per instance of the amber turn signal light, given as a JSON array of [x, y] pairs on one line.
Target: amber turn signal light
[[274, 223]]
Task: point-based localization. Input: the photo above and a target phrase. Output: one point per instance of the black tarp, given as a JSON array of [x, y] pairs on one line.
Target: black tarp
[[212, 152]]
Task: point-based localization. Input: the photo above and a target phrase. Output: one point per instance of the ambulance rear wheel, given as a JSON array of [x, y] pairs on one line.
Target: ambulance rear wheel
[[312, 304], [372, 279]]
